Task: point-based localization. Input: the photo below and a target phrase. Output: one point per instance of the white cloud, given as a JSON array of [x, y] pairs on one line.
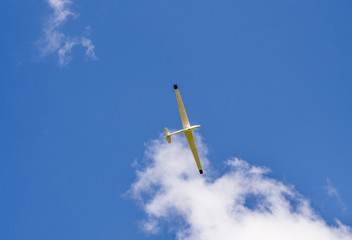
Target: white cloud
[[64, 51], [243, 203], [55, 41], [87, 43], [332, 192]]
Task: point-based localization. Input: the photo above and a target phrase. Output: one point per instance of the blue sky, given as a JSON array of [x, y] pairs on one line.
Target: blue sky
[[269, 82]]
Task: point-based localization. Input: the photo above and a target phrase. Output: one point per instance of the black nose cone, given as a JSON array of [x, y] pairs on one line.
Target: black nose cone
[[175, 86]]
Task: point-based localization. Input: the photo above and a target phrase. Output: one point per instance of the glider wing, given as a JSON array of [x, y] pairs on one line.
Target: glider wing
[[190, 139], [184, 118]]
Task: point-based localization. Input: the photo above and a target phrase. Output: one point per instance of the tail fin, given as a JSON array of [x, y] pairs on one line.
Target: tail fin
[[168, 137]]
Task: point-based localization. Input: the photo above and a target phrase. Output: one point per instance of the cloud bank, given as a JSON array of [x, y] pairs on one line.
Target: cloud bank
[[243, 203], [55, 41]]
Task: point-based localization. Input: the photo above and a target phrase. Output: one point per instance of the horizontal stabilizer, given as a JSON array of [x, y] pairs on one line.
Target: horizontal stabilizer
[[167, 133]]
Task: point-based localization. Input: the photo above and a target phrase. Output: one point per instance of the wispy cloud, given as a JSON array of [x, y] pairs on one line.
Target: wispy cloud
[[55, 41], [243, 203], [87, 43], [332, 192]]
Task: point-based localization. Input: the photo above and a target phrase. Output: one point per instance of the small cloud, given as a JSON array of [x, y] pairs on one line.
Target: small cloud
[[87, 43], [54, 40], [332, 192], [64, 51]]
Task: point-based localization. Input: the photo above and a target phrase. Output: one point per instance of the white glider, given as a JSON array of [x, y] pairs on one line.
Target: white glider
[[187, 129]]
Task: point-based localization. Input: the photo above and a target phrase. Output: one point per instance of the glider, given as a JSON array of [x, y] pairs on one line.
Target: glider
[[187, 129]]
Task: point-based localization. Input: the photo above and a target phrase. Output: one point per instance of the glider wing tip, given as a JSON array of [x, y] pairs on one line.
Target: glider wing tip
[[201, 171], [175, 86]]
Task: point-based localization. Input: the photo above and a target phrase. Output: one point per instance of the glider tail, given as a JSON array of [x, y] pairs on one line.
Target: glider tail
[[168, 137]]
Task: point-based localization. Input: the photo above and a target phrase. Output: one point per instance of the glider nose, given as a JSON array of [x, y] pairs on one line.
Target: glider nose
[[201, 171]]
